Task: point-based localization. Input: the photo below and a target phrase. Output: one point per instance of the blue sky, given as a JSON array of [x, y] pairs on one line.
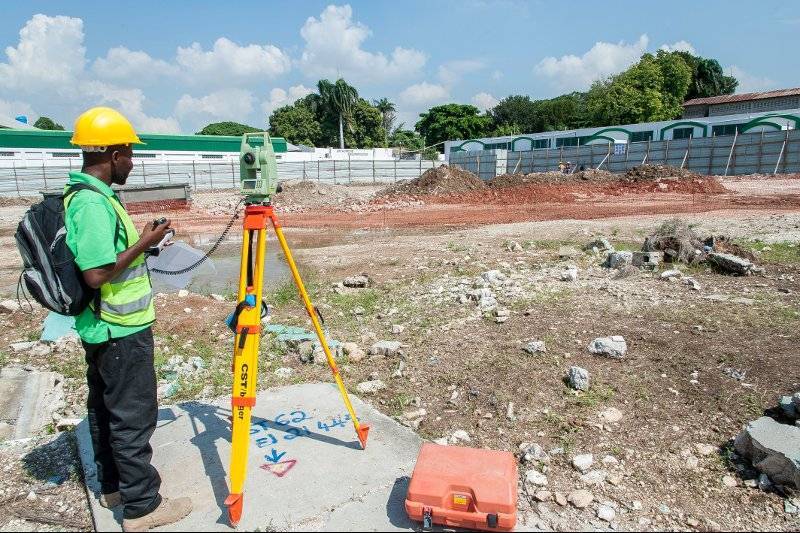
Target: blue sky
[[175, 66]]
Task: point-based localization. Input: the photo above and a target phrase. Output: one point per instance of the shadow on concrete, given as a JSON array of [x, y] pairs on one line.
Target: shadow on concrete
[[396, 505], [216, 426]]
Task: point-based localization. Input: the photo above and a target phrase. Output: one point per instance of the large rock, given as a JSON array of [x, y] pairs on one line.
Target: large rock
[[370, 387], [731, 263], [578, 378], [385, 348], [601, 245], [619, 260], [357, 282], [614, 346], [773, 448]]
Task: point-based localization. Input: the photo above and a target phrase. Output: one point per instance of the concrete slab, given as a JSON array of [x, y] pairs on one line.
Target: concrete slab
[[306, 469], [28, 400]]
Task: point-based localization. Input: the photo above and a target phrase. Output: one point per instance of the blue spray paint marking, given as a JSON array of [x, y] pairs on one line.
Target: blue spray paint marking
[[275, 456], [284, 423]]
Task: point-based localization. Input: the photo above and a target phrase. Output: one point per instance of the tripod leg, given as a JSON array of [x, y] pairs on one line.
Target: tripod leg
[[245, 363], [361, 429]]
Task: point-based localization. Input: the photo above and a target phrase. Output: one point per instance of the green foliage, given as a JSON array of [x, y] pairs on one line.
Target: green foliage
[[388, 113], [452, 121], [227, 128], [652, 89], [407, 140], [295, 123], [46, 123], [340, 100]]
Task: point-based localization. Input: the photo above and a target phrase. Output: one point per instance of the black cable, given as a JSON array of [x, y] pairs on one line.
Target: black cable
[[209, 252]]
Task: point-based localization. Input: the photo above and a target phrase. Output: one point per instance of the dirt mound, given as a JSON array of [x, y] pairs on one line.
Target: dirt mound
[[441, 180], [659, 172], [553, 177]]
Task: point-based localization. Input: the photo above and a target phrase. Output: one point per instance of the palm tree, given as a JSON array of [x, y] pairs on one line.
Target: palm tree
[[387, 109], [340, 98]]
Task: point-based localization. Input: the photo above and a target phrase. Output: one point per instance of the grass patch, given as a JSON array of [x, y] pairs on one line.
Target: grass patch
[[786, 253], [456, 248], [597, 394], [367, 299]]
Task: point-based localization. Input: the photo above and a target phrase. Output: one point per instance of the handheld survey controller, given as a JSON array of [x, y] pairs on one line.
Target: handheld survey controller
[[156, 250]]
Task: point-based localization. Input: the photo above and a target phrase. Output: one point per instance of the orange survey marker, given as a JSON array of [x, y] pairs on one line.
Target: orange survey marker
[[463, 487]]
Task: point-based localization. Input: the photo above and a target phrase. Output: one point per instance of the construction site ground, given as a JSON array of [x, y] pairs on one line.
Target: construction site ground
[[659, 422]]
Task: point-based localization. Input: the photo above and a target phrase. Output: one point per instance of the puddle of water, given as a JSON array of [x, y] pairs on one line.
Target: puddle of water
[[223, 277]]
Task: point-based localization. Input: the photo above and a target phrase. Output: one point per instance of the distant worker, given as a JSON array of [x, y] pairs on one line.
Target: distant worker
[[567, 167], [561, 166], [116, 329]]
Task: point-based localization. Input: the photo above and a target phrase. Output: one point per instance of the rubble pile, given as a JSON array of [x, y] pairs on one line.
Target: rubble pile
[[441, 180]]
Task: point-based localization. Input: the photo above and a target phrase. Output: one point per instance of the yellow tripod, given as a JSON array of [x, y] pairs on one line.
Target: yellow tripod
[[247, 324]]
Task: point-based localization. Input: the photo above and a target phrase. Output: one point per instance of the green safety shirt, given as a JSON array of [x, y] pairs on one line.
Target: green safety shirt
[[92, 236]]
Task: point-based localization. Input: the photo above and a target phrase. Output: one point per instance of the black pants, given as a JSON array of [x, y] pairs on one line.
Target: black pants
[[122, 413]]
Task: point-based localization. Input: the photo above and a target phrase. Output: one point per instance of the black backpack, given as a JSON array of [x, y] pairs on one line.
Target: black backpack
[[50, 273]]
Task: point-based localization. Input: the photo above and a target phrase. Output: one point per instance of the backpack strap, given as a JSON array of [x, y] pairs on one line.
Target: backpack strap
[[73, 189]]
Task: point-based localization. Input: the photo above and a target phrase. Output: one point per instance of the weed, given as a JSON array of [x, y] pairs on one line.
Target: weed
[[367, 299], [399, 403], [456, 248], [597, 394], [3, 359], [752, 405]]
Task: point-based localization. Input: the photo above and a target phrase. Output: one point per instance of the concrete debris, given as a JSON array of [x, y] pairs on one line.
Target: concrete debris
[[669, 274], [217, 297], [514, 246], [18, 347], [594, 477], [580, 498], [570, 274], [619, 260], [510, 412], [614, 346], [791, 506], [460, 437], [705, 449], [370, 387], [731, 263], [773, 449], [534, 347], [493, 277], [578, 378], [397, 329], [599, 245], [646, 260], [501, 315], [353, 352], [606, 513], [533, 480], [357, 282], [442, 441], [542, 496], [729, 481], [561, 499], [385, 348], [183, 293], [9, 306], [29, 401], [693, 284], [533, 453], [583, 462], [611, 415]]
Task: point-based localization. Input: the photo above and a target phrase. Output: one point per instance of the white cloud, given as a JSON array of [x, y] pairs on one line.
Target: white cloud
[[14, 108], [48, 67], [484, 101], [122, 64], [679, 46], [50, 53], [571, 72], [424, 94], [131, 103], [280, 97], [333, 48], [749, 83], [228, 104], [453, 71], [228, 62], [497, 75]]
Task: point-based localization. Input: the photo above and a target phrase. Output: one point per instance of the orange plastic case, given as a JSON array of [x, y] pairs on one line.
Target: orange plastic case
[[464, 488]]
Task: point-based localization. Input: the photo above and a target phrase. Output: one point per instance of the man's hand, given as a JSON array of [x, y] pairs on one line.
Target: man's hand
[[152, 236]]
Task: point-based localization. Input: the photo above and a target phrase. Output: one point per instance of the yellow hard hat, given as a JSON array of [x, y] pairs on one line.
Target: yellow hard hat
[[103, 126]]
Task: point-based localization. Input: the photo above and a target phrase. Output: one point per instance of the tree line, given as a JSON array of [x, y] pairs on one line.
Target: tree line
[[652, 89]]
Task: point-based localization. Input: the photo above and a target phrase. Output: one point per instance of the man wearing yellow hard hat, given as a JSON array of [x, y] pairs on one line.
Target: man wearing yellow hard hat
[[116, 329]]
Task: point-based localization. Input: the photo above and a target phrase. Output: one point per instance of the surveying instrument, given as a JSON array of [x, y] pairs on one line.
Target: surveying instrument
[[259, 182]]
